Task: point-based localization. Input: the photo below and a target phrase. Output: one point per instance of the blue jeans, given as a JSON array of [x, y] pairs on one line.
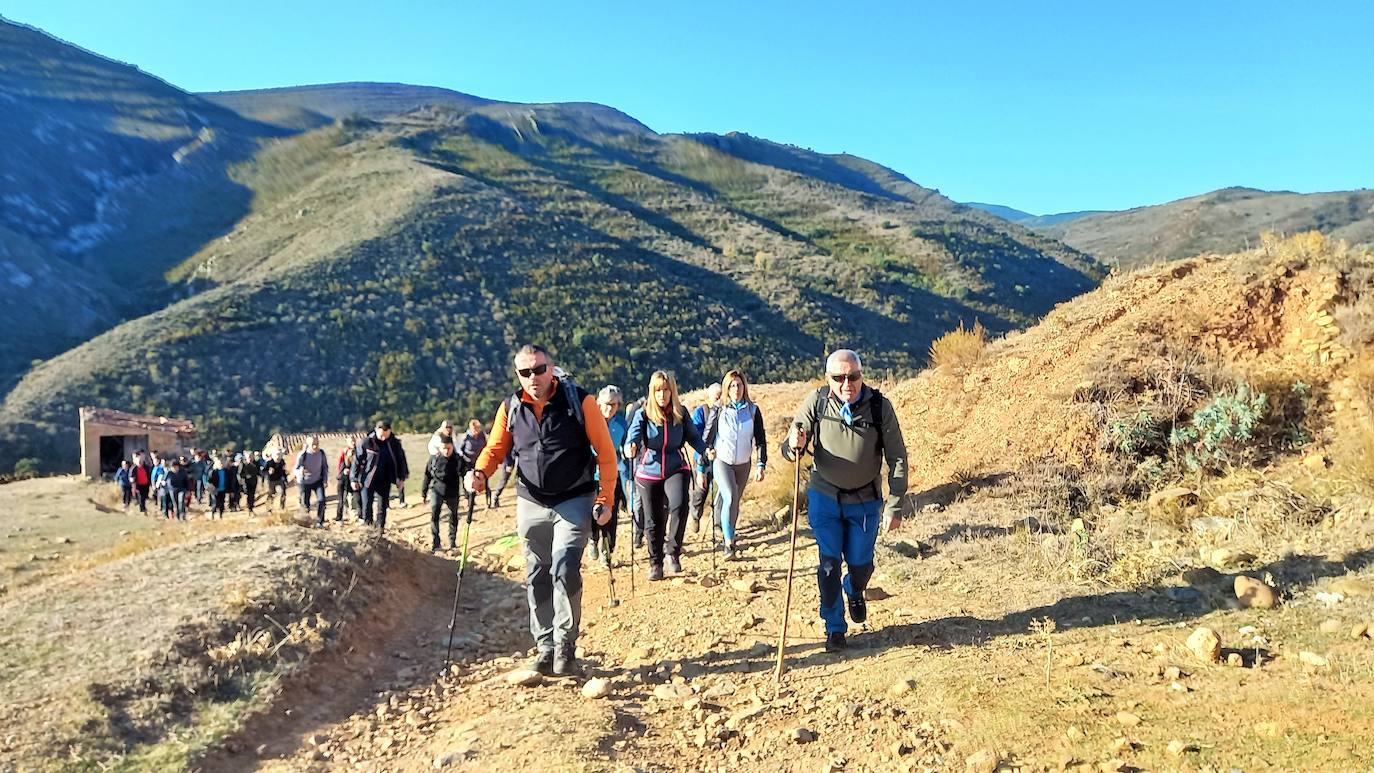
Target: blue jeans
[[844, 532]]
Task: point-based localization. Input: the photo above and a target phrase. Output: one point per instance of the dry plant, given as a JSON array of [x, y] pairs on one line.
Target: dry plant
[[959, 349], [1044, 629]]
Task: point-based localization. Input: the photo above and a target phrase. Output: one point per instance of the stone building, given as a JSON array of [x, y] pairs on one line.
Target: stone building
[[109, 436]]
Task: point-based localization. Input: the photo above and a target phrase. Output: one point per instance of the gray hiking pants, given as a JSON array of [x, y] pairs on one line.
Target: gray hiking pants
[[730, 482], [554, 538]]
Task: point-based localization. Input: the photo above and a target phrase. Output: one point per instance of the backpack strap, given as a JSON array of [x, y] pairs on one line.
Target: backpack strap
[[512, 408], [822, 396], [570, 391], [875, 405]]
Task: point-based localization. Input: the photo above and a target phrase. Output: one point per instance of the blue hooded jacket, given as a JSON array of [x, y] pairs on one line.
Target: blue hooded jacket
[[660, 453]]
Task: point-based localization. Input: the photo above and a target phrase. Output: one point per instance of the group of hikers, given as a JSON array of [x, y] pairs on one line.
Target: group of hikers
[[580, 461], [174, 481]]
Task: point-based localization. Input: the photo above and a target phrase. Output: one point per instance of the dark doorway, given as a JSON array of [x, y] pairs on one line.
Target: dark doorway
[[111, 453]]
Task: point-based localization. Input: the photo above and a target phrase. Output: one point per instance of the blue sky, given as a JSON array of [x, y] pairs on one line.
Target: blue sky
[[1046, 107]]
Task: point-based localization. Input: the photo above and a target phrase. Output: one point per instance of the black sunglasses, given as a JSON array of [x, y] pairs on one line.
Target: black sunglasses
[[537, 370], [852, 378]]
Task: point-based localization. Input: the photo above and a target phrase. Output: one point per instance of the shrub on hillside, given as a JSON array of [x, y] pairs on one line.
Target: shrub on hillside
[[26, 467], [1222, 433], [960, 348]]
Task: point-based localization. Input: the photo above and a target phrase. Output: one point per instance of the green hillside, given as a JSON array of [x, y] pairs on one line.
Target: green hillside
[[92, 150], [390, 267]]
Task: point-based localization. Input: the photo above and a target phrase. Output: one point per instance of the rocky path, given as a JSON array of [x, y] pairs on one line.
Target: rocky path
[[969, 660], [679, 676]]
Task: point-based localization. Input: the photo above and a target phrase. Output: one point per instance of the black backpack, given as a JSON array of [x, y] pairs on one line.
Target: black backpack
[[875, 407]]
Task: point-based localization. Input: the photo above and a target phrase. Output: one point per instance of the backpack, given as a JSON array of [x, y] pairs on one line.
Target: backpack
[[875, 406], [713, 423]]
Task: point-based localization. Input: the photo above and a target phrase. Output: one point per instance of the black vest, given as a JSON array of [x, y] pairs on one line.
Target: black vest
[[554, 455]]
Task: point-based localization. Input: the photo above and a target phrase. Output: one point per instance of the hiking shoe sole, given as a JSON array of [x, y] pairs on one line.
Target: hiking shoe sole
[[858, 609]]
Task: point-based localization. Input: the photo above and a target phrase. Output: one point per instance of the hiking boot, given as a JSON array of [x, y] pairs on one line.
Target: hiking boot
[[729, 552], [496, 502], [858, 608], [565, 663], [674, 566], [655, 572], [696, 524], [606, 561], [834, 642], [543, 663], [594, 552], [639, 540]]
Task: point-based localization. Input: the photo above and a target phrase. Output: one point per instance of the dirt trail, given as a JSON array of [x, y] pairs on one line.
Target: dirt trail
[[948, 667]]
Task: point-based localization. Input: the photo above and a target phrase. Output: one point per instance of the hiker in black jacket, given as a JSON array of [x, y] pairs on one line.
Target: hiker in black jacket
[[178, 486], [249, 472], [274, 470], [441, 486], [378, 463]]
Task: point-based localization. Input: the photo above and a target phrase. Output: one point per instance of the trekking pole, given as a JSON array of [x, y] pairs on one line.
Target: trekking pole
[[462, 566], [632, 528], [715, 513], [791, 565], [610, 571]]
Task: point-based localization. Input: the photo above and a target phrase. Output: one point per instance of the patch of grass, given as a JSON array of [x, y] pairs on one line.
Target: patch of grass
[[959, 349]]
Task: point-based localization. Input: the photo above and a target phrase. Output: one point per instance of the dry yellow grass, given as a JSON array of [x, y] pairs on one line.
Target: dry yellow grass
[[960, 348]]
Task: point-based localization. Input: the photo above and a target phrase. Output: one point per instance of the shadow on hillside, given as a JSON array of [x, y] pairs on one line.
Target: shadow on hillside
[[1150, 605], [947, 494], [395, 641]]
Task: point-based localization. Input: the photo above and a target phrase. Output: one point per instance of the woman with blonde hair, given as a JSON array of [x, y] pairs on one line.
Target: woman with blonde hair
[[735, 436], [662, 474]]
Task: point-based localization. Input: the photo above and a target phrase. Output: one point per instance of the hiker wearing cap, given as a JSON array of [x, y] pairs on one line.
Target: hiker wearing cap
[[442, 486], [123, 477], [561, 444], [312, 476], [378, 463], [736, 434], [851, 429], [703, 416], [608, 401], [656, 439]]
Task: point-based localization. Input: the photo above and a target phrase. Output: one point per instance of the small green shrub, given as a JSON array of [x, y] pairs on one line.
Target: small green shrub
[[1222, 433], [1135, 435], [27, 467]]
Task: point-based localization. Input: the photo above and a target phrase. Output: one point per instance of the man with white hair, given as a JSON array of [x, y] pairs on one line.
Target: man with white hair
[[851, 428]]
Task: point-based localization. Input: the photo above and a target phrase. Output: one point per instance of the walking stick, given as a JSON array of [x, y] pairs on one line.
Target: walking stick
[[610, 572], [791, 565], [715, 513], [462, 566], [632, 528]]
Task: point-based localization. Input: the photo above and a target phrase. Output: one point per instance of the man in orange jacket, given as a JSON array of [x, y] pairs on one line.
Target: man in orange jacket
[[560, 441]]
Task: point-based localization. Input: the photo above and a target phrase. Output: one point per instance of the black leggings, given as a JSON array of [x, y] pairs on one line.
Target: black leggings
[[665, 510]]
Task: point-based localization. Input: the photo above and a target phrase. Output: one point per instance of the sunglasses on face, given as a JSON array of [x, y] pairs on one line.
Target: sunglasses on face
[[537, 370], [840, 378]]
